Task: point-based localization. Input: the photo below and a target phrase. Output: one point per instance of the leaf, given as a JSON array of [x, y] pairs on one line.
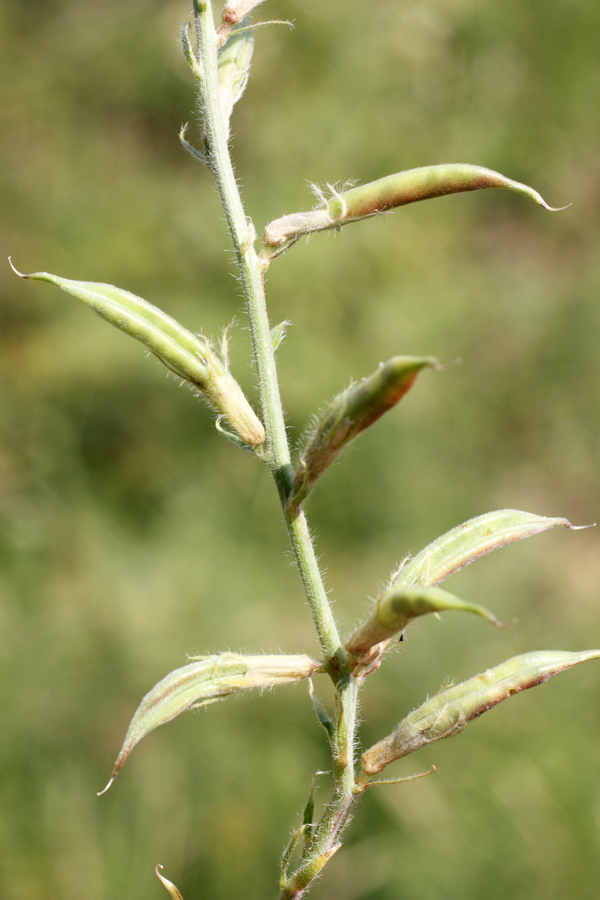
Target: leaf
[[233, 70], [351, 412], [205, 681], [169, 885], [452, 709], [396, 608], [278, 334], [387, 193], [466, 543], [321, 712], [187, 355]]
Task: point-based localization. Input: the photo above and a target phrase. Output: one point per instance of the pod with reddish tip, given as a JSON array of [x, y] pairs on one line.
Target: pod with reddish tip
[[173, 892], [397, 608], [351, 412], [452, 709], [188, 355], [205, 681], [388, 193]]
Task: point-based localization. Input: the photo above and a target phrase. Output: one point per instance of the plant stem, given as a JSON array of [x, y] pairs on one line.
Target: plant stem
[[243, 236], [343, 796], [278, 456]]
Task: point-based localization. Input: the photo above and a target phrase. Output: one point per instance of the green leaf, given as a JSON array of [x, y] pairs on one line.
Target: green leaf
[[188, 355], [278, 334], [205, 681], [466, 543], [396, 608], [321, 712], [234, 69], [452, 709], [388, 193], [351, 412]]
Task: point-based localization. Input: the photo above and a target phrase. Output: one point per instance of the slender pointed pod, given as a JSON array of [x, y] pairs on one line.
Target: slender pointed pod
[[395, 609], [205, 681], [188, 355], [467, 542], [175, 895], [388, 193], [448, 712], [351, 412]]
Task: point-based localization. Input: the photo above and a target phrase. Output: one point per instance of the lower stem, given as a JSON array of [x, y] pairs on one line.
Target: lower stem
[[343, 796]]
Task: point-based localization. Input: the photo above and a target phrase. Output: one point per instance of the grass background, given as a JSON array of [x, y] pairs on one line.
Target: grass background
[[132, 534]]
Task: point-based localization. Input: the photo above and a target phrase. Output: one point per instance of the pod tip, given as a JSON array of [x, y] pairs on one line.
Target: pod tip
[[104, 790], [15, 270]]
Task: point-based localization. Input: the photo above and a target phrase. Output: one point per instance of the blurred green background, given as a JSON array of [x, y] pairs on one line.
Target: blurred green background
[[132, 533]]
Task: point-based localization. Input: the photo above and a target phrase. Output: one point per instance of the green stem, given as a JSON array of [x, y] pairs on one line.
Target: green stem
[[343, 796], [278, 456], [243, 236]]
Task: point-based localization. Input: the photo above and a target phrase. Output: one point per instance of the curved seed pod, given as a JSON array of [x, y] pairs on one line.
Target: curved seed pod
[[397, 608], [452, 709], [350, 413], [204, 681], [388, 193], [175, 895], [467, 542], [187, 355], [234, 69]]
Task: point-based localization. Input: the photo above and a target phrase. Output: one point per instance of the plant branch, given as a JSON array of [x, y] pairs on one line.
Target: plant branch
[[243, 236]]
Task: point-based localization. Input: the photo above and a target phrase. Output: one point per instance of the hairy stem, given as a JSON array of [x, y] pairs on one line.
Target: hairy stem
[[243, 236], [278, 455], [343, 796]]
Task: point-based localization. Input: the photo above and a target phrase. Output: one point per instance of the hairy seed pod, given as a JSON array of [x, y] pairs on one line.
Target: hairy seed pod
[[350, 413], [467, 542], [448, 712], [388, 193], [204, 681], [188, 355], [397, 608]]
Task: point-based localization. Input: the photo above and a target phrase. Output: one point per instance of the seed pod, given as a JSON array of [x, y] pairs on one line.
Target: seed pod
[[236, 10], [452, 709], [387, 193], [396, 608], [174, 893], [466, 543], [350, 413], [189, 356], [234, 69], [205, 681]]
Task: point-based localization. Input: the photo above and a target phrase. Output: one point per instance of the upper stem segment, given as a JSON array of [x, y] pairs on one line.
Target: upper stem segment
[[243, 236]]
